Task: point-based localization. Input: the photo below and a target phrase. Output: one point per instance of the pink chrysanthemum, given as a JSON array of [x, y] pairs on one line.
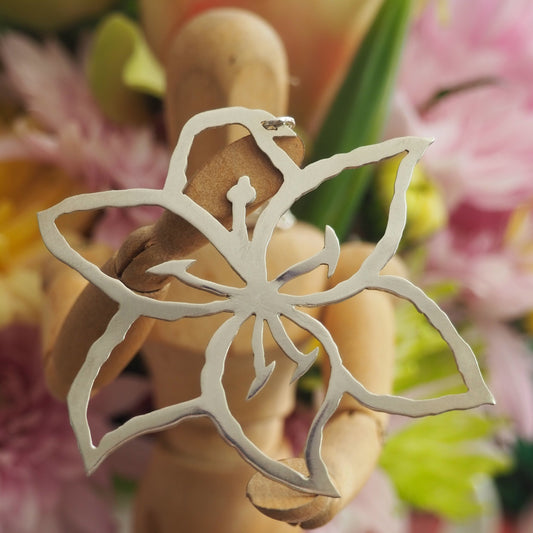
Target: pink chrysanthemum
[[511, 368], [482, 155], [471, 41], [466, 81], [72, 132], [43, 485], [490, 256], [478, 61], [40, 466]]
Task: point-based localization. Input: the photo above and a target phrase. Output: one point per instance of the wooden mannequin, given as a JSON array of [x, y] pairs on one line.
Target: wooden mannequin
[[195, 481]]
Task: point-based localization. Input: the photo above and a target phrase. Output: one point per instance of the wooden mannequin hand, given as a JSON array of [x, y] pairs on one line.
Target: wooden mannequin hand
[[288, 505], [363, 329], [351, 447]]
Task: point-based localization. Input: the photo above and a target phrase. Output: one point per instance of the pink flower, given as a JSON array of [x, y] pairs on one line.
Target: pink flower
[[482, 155], [121, 398], [72, 132], [39, 460], [43, 485], [510, 373], [478, 62], [474, 40], [483, 120], [297, 427], [489, 254]]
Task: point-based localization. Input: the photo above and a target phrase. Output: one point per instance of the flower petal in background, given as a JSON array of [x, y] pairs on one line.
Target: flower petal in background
[[489, 255], [20, 296], [320, 37], [44, 485], [375, 509], [25, 188], [126, 394], [72, 133], [474, 41], [39, 460], [450, 451], [120, 68], [483, 155], [511, 372]]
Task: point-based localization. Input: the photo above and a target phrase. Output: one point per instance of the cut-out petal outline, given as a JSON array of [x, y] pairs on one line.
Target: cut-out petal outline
[[248, 258]]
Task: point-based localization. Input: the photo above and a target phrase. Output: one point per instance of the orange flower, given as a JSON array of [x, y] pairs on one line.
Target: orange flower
[[320, 37]]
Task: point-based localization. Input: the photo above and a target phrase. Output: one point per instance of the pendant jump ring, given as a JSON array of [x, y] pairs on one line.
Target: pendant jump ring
[[279, 122]]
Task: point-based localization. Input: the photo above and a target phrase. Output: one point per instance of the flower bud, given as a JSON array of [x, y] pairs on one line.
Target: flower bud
[[426, 211], [121, 70]]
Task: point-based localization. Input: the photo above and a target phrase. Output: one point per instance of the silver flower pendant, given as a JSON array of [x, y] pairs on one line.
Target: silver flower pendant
[[247, 256]]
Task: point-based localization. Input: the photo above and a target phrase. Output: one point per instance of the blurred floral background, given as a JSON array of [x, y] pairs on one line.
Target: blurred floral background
[[81, 90]]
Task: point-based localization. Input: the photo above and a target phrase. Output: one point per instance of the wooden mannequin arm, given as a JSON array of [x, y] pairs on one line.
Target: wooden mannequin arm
[[78, 322], [363, 329], [227, 57], [82, 321]]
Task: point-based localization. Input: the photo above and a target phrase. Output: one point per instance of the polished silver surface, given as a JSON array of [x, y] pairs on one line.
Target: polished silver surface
[[279, 122], [247, 256]]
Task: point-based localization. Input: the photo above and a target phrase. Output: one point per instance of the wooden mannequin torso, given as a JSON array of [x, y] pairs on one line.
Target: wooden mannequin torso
[[185, 340], [196, 482], [174, 353]]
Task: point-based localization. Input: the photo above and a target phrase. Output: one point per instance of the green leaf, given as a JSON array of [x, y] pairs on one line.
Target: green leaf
[[436, 462], [419, 349], [516, 486], [357, 117], [121, 68], [423, 358]]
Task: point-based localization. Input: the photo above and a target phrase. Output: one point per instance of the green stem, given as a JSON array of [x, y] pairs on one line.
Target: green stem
[[357, 117]]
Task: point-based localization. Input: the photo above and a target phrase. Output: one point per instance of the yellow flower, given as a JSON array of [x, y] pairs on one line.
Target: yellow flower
[[25, 188], [519, 232], [528, 321], [426, 211], [20, 296]]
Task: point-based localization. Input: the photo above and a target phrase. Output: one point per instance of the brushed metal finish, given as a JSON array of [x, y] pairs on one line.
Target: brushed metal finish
[[247, 256]]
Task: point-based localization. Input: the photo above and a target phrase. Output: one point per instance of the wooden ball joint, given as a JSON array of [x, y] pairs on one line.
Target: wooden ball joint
[[195, 481]]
